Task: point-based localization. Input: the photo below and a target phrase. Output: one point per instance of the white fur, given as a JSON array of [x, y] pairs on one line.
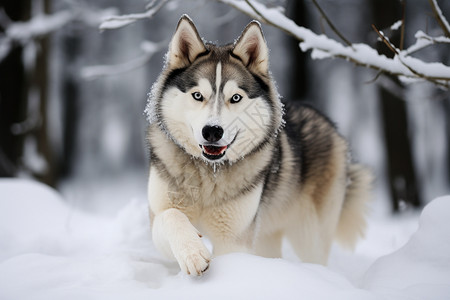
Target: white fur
[[176, 237], [217, 103]]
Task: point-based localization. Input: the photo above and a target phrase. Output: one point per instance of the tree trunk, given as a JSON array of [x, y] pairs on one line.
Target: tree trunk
[[299, 89], [403, 184], [13, 96], [23, 106], [71, 43], [40, 82]]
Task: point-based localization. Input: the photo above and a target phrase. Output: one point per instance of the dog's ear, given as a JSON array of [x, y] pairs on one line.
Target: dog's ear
[[185, 45], [251, 48]]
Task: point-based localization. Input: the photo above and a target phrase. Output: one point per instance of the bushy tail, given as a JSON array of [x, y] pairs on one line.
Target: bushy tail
[[352, 222]]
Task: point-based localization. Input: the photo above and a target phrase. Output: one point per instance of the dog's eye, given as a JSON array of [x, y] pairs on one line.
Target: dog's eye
[[197, 96], [236, 98]]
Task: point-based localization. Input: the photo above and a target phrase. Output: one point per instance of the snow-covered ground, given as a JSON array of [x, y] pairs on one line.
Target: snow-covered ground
[[52, 249]]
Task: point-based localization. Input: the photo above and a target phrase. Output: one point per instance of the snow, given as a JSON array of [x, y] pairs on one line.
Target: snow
[[51, 250], [150, 108], [31, 158], [396, 25], [421, 268]]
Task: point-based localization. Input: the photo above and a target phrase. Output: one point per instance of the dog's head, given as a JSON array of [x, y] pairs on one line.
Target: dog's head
[[217, 102]]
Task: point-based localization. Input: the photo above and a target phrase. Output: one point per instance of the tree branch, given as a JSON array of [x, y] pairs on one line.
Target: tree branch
[[115, 22], [440, 17], [20, 33], [255, 13], [402, 28], [385, 40], [423, 40], [359, 54], [335, 30], [435, 80], [149, 49], [323, 46]]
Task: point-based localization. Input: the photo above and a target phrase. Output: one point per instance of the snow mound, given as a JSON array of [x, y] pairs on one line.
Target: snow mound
[[421, 268], [49, 250]]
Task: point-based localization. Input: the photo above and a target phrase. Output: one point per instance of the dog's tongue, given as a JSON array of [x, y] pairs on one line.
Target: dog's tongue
[[213, 150]]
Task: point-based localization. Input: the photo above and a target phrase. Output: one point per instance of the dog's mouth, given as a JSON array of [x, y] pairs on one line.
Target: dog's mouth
[[213, 152]]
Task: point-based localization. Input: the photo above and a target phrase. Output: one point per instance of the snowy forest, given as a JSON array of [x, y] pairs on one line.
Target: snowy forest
[[74, 80]]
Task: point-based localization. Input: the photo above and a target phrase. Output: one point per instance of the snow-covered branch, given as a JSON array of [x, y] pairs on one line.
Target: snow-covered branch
[[401, 65], [148, 48], [423, 40], [20, 33], [405, 60], [38, 26], [115, 22]]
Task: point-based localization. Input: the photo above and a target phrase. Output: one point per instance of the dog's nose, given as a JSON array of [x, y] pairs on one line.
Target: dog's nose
[[212, 133]]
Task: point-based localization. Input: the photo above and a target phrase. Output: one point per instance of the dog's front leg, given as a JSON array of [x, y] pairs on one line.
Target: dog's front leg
[[175, 236], [172, 232]]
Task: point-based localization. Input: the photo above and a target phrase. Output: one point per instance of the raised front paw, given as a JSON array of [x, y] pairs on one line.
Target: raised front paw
[[193, 257]]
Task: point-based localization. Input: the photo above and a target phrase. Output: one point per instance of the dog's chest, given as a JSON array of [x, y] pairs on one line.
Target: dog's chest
[[196, 189]]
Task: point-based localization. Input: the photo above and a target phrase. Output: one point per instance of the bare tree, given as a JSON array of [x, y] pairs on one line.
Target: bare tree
[[25, 27]]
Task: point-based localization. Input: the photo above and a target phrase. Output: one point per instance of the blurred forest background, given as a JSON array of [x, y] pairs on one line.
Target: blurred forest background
[[72, 97]]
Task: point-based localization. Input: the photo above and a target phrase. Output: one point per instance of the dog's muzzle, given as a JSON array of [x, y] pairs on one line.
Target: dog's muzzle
[[214, 148]]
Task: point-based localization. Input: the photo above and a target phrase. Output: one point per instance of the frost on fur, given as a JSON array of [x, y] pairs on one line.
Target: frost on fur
[[150, 107]]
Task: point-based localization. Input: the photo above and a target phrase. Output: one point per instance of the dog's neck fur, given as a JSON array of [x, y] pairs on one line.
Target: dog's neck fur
[[215, 183]]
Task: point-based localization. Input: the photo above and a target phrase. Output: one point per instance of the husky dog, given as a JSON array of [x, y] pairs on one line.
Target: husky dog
[[228, 161]]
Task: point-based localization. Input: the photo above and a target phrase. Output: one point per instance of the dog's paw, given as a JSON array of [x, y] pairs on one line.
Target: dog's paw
[[193, 257]]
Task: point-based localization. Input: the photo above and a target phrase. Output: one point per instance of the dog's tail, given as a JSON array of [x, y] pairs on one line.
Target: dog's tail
[[352, 222]]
